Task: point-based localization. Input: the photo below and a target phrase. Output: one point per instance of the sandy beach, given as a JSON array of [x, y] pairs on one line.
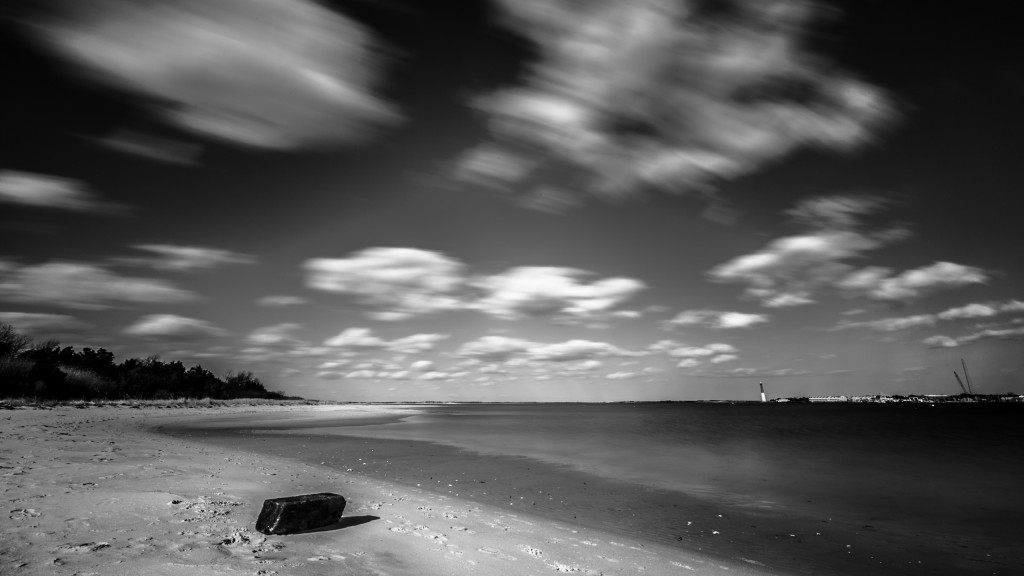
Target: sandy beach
[[95, 491]]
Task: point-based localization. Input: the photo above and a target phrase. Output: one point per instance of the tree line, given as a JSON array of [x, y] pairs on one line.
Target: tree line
[[46, 370]]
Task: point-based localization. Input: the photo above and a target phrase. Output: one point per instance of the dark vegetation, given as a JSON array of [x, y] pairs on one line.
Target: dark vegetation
[[47, 371]]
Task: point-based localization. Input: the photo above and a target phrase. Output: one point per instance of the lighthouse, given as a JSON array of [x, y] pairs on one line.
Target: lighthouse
[[763, 398]]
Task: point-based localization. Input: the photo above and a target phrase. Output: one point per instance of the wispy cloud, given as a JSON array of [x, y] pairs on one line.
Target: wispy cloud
[[663, 93], [363, 339], [260, 73], [790, 270], [503, 349], [716, 319], [173, 327], [153, 147], [275, 301], [38, 323], [549, 291], [278, 335], [42, 191], [83, 286], [174, 258], [692, 356], [879, 283], [941, 341], [970, 311], [399, 283]]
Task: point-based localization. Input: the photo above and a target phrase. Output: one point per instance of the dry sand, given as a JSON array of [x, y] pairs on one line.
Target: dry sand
[[92, 491]]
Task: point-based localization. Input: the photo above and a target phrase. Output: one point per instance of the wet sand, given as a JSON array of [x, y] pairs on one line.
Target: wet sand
[[97, 491]]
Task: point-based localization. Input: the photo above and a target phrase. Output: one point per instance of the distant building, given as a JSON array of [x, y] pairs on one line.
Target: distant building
[[829, 399]]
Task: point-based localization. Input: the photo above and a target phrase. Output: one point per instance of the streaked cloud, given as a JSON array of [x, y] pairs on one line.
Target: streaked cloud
[[278, 335], [716, 319], [42, 324], [879, 283], [665, 94], [363, 339], [277, 301], [790, 270], [43, 191], [970, 311], [152, 147], [503, 348], [891, 324], [692, 356], [835, 212], [276, 74], [173, 327], [83, 286], [621, 375], [572, 350], [941, 341], [399, 282], [172, 258], [552, 291]]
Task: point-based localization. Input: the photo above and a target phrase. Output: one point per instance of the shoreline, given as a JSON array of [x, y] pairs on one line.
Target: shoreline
[[98, 491]]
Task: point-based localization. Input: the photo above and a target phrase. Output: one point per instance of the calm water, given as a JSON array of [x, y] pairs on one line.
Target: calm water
[[897, 489]]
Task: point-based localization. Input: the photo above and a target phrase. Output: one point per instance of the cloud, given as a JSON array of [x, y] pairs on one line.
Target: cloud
[[879, 284], [716, 352], [494, 348], [573, 350], [276, 335], [263, 73], [152, 147], [664, 94], [276, 301], [502, 348], [835, 212], [891, 324], [399, 282], [42, 324], [416, 343], [972, 310], [329, 375], [716, 319], [551, 291], [621, 375], [421, 365], [788, 270], [171, 326], [186, 258], [434, 375], [361, 374], [43, 191], [940, 341], [83, 286], [968, 311], [362, 339]]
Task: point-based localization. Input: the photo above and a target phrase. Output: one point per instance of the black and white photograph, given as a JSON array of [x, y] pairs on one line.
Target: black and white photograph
[[511, 287]]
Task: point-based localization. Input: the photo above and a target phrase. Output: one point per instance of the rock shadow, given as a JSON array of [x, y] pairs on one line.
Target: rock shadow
[[346, 522]]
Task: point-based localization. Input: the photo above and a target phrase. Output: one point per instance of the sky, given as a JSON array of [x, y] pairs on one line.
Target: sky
[[521, 200]]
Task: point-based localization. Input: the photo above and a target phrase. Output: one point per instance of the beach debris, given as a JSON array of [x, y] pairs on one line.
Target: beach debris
[[299, 513]]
